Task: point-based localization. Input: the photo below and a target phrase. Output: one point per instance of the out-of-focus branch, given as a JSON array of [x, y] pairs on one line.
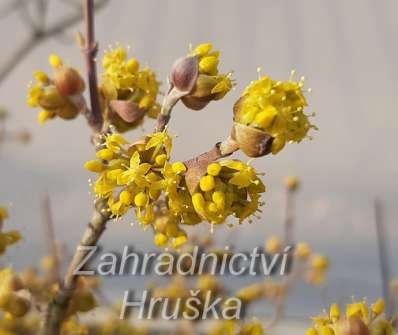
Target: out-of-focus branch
[[56, 311], [288, 222], [38, 35], [11, 7], [288, 240], [50, 237], [383, 256]]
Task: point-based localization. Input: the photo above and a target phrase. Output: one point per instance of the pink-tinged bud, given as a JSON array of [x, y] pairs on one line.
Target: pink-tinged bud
[[184, 73], [253, 142], [351, 326], [129, 111], [68, 81]]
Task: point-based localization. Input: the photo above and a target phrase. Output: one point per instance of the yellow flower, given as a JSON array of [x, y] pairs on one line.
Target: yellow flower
[[275, 107]]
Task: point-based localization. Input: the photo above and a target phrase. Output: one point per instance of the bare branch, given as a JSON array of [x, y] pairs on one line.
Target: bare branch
[[90, 51], [38, 37], [12, 6]]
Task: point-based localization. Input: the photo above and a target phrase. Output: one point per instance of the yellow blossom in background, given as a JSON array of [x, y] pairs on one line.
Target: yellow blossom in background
[[3, 213], [276, 108], [7, 238], [58, 95], [273, 245], [292, 183], [319, 262], [358, 317], [302, 250], [231, 327], [317, 267], [133, 87]]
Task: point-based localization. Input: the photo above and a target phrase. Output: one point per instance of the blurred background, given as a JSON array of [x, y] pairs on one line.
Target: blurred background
[[347, 51]]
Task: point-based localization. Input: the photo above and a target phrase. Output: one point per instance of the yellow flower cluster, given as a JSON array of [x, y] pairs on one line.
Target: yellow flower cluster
[[131, 175], [123, 80], [210, 83], [12, 300], [6, 238], [56, 96], [275, 107], [358, 319], [140, 176], [230, 187]]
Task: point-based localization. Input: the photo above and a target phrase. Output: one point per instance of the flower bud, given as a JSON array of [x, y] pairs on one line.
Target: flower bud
[[51, 99], [67, 112], [351, 326], [252, 141], [68, 81], [184, 73], [129, 111], [82, 301]]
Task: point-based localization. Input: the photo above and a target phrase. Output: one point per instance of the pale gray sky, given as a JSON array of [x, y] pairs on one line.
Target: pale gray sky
[[346, 50]]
